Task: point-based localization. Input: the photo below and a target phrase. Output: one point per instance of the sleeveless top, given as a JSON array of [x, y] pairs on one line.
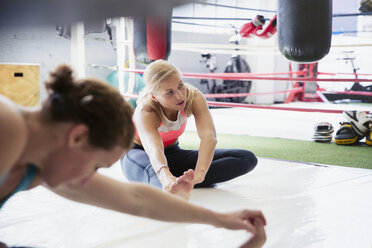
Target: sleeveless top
[[25, 183], [169, 131]]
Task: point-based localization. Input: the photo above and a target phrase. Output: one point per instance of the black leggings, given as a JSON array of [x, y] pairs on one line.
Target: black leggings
[[226, 165]]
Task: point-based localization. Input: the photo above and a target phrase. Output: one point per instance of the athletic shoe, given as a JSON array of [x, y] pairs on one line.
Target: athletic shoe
[[369, 135], [359, 121], [346, 135]]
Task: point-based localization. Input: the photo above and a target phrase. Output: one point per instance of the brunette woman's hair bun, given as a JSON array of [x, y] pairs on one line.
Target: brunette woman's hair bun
[[60, 80], [91, 102]]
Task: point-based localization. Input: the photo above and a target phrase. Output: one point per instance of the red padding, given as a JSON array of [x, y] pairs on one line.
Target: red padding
[[156, 38]]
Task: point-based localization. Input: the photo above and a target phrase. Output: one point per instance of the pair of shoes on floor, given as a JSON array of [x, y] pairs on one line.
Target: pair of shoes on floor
[[323, 132], [359, 125]]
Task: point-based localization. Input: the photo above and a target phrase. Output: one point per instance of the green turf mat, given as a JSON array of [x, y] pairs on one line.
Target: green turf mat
[[359, 156]]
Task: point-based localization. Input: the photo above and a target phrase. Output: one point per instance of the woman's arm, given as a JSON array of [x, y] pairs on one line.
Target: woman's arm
[[146, 201], [207, 134], [13, 134], [147, 123]]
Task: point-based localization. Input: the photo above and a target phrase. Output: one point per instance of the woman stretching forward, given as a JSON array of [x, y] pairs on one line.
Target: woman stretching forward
[[160, 118]]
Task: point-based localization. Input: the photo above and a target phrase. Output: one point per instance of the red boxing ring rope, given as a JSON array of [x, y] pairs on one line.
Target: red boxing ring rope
[[243, 105], [261, 76], [343, 73], [247, 76], [228, 104], [363, 93], [226, 95]]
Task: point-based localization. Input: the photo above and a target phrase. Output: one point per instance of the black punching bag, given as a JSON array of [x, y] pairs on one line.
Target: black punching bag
[[304, 29], [152, 36]]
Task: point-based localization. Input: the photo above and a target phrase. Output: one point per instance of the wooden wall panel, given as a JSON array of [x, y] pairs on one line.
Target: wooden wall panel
[[20, 83]]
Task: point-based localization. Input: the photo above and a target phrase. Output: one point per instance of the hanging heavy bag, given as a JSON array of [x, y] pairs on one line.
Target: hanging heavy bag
[[304, 29], [152, 37]]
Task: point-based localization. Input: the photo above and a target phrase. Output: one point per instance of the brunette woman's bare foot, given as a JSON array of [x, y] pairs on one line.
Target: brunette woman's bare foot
[[183, 185]]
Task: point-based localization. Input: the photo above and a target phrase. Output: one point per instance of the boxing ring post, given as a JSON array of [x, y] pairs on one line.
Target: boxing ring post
[[124, 38], [78, 49], [120, 50], [131, 56]]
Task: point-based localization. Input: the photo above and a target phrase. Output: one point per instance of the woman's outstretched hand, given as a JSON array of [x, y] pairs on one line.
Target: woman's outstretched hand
[[183, 185], [243, 219], [259, 238]]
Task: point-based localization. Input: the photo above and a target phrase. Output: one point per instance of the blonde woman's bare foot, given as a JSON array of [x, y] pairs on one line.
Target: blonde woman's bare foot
[[183, 185], [259, 238]]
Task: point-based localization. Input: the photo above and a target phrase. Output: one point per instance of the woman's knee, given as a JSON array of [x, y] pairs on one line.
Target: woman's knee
[[250, 160], [138, 168], [134, 169], [126, 167]]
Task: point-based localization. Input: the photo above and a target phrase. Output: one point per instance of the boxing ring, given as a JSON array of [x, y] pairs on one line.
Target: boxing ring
[[306, 205]]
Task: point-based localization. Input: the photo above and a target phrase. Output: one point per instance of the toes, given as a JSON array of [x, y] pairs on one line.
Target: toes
[[189, 175], [190, 172], [180, 180]]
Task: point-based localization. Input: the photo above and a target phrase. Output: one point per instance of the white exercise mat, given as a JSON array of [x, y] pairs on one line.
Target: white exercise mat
[[305, 206]]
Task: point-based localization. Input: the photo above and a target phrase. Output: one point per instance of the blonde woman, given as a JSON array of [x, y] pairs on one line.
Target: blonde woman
[[84, 125], [160, 118]]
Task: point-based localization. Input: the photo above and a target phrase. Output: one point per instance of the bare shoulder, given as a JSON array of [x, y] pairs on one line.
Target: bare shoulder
[[13, 134], [198, 93], [145, 114], [200, 102], [12, 123]]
